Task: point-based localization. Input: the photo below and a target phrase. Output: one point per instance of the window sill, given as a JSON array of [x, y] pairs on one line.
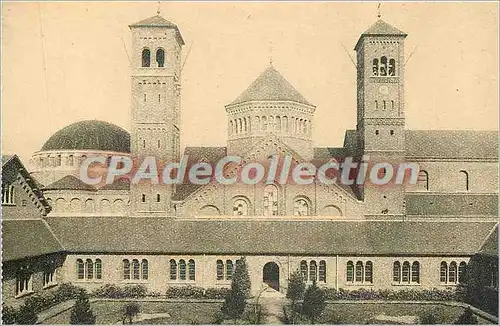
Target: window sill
[[9, 204], [89, 281], [182, 282], [24, 294], [135, 281], [449, 284], [405, 284], [359, 284], [48, 286]]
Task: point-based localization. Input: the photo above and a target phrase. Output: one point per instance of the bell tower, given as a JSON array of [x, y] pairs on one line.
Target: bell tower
[[156, 73], [380, 112]]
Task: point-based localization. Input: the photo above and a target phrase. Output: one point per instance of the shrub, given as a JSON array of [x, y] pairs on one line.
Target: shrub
[[467, 318], [112, 291], [235, 301], [188, 292], [314, 302], [130, 310], [26, 316], [428, 319], [404, 295], [135, 291], [43, 300], [81, 314], [9, 315], [216, 293]]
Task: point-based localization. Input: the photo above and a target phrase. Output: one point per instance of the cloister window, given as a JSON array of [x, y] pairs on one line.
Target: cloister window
[[392, 67], [359, 271], [350, 271], [220, 270], [158, 197], [452, 272], [464, 180], [303, 270], [301, 207], [383, 66], [146, 58], [192, 270], [173, 269], [415, 272], [443, 272], [396, 272], [405, 273], [136, 270], [369, 272], [270, 200], [229, 269], [160, 58], [313, 270], [182, 270], [145, 269], [462, 272], [80, 269], [278, 124], [322, 271], [126, 269], [240, 207], [98, 269], [376, 105], [89, 269], [375, 67], [23, 282], [8, 193], [423, 180]]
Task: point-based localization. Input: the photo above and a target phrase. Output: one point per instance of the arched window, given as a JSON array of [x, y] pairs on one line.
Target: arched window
[[464, 180], [98, 269], [229, 269], [443, 272], [58, 160], [350, 271], [300, 207], [375, 67], [359, 271], [146, 58], [383, 66], [220, 270], [452, 273], [369, 272], [405, 275], [240, 207], [303, 270], [89, 267], [8, 194], [126, 269], [264, 123], [158, 197], [392, 105], [270, 200], [278, 124], [182, 270], [240, 125], [80, 269], [257, 123], [415, 272], [462, 272], [313, 271], [384, 105], [396, 272], [230, 127], [245, 126], [160, 58], [173, 269], [285, 124], [136, 269], [143, 198], [145, 269], [376, 105], [392, 67], [322, 271], [423, 180], [192, 270]]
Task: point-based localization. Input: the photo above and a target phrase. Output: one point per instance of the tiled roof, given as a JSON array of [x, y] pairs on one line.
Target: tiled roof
[[245, 236], [23, 238], [158, 21], [425, 204], [271, 86], [454, 144], [6, 158], [118, 184], [490, 246], [90, 135], [382, 28], [69, 182]]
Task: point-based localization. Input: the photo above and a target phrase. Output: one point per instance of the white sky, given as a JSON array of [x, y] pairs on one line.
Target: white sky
[[451, 79]]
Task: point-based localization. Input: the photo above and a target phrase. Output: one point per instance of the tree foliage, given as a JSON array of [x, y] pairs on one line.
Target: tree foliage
[[81, 314], [235, 301], [314, 302], [295, 293], [130, 310]]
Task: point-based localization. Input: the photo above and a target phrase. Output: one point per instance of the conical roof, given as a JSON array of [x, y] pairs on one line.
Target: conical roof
[[69, 182], [270, 86]]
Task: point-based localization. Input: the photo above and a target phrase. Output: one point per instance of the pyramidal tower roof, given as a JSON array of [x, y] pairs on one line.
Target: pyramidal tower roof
[[381, 28], [270, 86], [158, 21]]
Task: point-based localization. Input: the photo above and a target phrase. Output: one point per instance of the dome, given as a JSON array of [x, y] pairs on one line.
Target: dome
[[90, 135]]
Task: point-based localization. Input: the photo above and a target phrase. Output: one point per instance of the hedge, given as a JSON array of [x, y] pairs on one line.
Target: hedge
[[396, 295], [116, 292], [195, 292]]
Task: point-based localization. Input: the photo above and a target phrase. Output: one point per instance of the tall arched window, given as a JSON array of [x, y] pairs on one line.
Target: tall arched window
[[396, 272], [383, 66], [462, 272], [285, 124], [278, 124], [264, 123], [359, 271], [303, 270], [229, 269], [136, 270], [464, 180], [375, 67], [173, 269], [182, 270], [350, 271], [80, 269], [300, 207], [392, 67], [240, 207], [405, 275], [220, 270], [192, 270], [322, 271], [369, 272], [443, 272], [126, 269], [145, 269], [160, 58], [270, 200], [89, 267], [423, 180], [230, 127], [452, 273], [146, 58], [415, 272], [98, 269], [376, 105], [245, 126], [257, 123], [313, 271]]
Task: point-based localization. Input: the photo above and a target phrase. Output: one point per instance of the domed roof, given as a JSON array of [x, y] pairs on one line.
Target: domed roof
[[90, 135]]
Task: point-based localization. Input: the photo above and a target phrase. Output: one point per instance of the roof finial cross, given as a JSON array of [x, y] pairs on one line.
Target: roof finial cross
[[158, 11], [271, 54], [378, 11]]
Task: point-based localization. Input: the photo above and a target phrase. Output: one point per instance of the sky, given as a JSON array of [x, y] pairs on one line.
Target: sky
[[64, 62]]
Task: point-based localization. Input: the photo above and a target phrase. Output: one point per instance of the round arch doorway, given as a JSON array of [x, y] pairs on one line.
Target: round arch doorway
[[271, 275]]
